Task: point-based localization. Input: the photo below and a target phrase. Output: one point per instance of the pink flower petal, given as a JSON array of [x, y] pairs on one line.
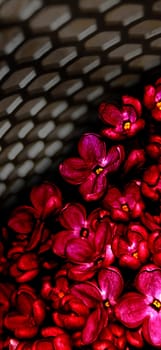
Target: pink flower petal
[[156, 114], [21, 220], [74, 170], [82, 272], [61, 239], [101, 236], [112, 134], [92, 327], [149, 96], [148, 281], [92, 149], [135, 159], [112, 198], [111, 283], [151, 329], [88, 293], [93, 188], [14, 320], [46, 198], [130, 100], [110, 114], [42, 344], [115, 156], [79, 250], [131, 309], [73, 216]]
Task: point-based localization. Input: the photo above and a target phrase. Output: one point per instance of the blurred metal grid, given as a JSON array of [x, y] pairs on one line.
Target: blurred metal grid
[[58, 59]]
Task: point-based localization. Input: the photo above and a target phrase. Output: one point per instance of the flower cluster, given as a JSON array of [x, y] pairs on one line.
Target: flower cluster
[[86, 274]]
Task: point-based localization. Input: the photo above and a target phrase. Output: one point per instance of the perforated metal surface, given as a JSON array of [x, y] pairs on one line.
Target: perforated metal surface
[[57, 59]]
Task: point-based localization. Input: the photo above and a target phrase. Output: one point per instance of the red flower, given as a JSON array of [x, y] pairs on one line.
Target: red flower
[[152, 222], [72, 315], [132, 247], [152, 99], [95, 163], [54, 339], [25, 267], [57, 292], [155, 246], [151, 184], [112, 337], [122, 123], [135, 337], [143, 307], [154, 147], [126, 206], [28, 313], [74, 220], [100, 299], [28, 222], [87, 247], [6, 290]]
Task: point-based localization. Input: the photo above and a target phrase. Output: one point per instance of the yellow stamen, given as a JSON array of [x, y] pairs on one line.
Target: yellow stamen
[[99, 261], [127, 125], [98, 170], [107, 304], [136, 255], [84, 233], [61, 295], [125, 207], [159, 105], [157, 304]]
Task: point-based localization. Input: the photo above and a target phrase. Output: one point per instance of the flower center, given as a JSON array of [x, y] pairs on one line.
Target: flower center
[[159, 105], [127, 125], [61, 295], [107, 303], [98, 261], [125, 207], [156, 304], [98, 170], [84, 232], [135, 255]]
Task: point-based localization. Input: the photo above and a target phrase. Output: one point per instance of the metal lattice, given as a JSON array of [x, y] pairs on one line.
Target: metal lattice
[[57, 59]]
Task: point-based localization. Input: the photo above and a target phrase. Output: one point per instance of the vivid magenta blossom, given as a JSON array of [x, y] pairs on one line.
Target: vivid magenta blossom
[[90, 170], [86, 243], [131, 248], [152, 99], [124, 206], [151, 184], [143, 307], [100, 298], [76, 224], [122, 123]]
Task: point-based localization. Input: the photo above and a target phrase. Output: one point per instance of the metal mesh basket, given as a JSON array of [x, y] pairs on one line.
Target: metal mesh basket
[[58, 60]]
